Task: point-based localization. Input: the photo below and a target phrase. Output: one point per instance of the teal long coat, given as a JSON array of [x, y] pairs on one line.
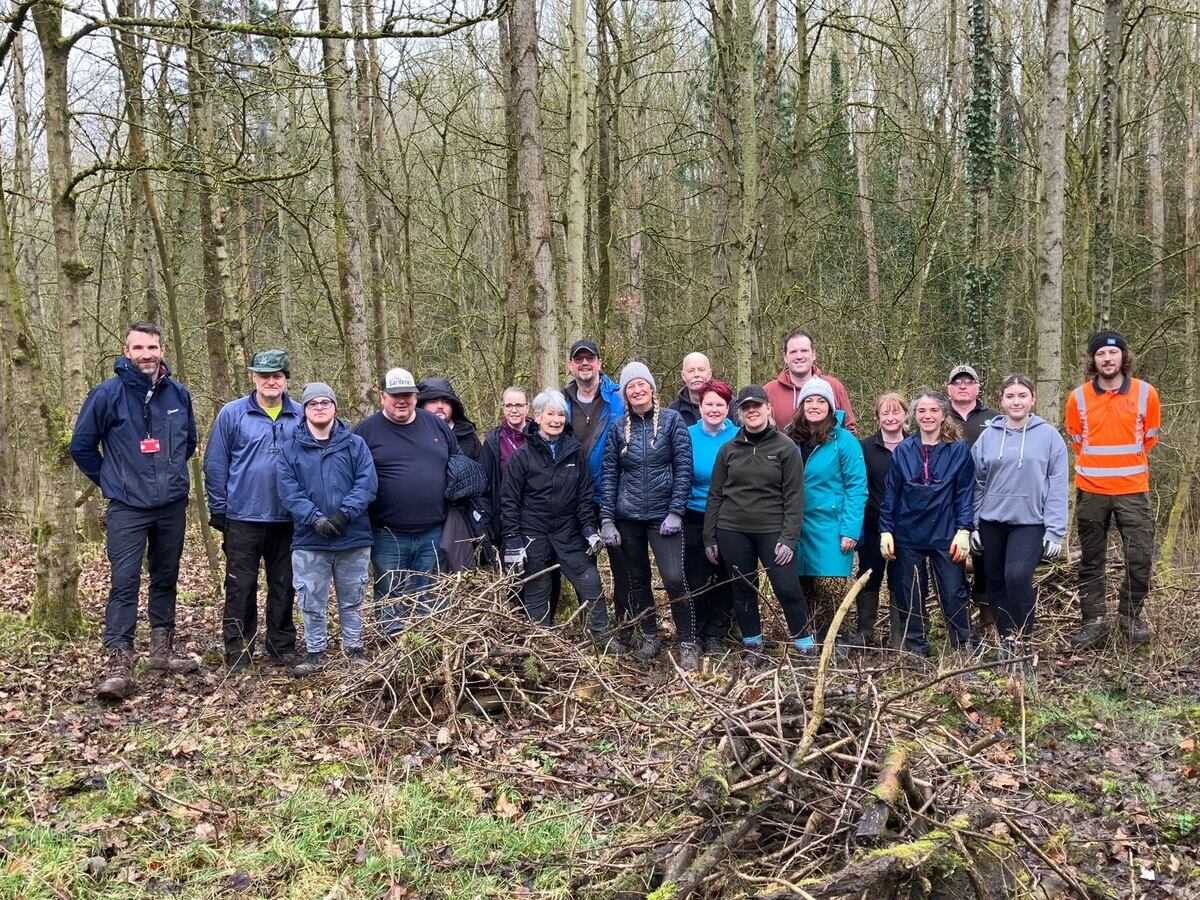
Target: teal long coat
[[835, 496]]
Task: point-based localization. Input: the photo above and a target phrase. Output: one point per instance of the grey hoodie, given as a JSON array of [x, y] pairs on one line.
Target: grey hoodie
[[1021, 475]]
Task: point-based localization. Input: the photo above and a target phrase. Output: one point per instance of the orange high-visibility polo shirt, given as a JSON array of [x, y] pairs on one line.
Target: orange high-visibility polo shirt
[[1113, 432]]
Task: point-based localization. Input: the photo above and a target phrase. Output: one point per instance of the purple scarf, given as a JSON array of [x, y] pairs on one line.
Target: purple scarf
[[511, 440]]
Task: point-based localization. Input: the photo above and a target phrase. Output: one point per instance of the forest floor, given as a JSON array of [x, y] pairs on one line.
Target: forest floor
[[266, 785]]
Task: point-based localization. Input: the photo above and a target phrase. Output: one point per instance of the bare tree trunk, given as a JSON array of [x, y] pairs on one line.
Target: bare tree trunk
[[724, 184], [1110, 164], [531, 170], [862, 163], [347, 209], [285, 237], [56, 595], [23, 157], [1054, 170], [605, 182], [516, 297], [1191, 194], [577, 130], [747, 123], [1154, 165]]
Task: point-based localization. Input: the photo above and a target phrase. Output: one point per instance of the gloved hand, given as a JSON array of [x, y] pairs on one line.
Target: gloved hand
[[784, 554], [714, 556], [595, 545], [326, 527], [218, 521], [340, 521], [1051, 549], [976, 543], [672, 524], [960, 546], [887, 545], [515, 560], [609, 533]]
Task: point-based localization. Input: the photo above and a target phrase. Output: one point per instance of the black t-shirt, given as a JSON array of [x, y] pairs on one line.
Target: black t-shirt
[[410, 461]]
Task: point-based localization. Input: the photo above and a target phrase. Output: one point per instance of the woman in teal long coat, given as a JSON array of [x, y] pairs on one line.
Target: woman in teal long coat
[[835, 497]]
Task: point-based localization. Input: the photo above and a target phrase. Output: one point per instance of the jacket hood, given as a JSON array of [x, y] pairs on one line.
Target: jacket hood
[[685, 396], [134, 377], [785, 377], [567, 443], [340, 435], [1000, 424], [440, 389]]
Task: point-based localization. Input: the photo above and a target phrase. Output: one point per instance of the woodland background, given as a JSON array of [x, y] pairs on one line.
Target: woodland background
[[465, 188]]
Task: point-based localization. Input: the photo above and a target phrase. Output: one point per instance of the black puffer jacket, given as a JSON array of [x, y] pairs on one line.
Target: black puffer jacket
[[648, 475], [545, 495]]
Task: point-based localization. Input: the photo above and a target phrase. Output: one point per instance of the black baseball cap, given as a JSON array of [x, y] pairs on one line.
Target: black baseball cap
[[584, 344], [752, 393]]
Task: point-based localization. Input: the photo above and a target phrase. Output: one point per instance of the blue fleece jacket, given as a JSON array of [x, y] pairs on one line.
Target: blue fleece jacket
[[239, 460], [928, 495], [317, 481], [1021, 475], [704, 457], [117, 415]]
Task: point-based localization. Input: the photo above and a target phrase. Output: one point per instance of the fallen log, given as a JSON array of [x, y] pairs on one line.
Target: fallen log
[[886, 795]]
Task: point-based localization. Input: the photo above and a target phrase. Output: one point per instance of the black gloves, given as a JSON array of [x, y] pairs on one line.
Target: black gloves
[[218, 521], [340, 521], [326, 527]]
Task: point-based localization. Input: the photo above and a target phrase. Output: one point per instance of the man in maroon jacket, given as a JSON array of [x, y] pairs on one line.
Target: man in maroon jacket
[[800, 358]]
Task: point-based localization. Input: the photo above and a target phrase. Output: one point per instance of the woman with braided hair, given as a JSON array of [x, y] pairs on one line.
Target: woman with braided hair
[[645, 481]]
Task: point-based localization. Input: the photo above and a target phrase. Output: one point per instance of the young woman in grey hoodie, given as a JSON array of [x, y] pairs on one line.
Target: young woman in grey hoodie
[[1020, 510]]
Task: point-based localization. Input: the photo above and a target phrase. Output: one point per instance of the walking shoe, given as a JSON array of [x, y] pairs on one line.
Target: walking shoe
[[163, 657], [755, 657], [312, 663], [713, 646], [287, 660], [357, 657], [1091, 633], [1134, 630], [118, 677], [648, 649], [689, 657], [806, 646]]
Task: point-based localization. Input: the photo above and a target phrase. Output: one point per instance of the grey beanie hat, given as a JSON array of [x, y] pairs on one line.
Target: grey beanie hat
[[818, 387], [316, 390], [636, 370]]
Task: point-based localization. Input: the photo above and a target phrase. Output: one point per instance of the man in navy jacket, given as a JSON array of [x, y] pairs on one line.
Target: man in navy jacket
[[133, 438]]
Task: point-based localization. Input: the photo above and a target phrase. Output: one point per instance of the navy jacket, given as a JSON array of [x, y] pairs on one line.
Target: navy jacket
[[240, 458], [116, 416], [548, 495], [649, 475], [317, 481], [921, 513]]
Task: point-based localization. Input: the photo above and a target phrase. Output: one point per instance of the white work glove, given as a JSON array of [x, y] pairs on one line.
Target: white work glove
[[713, 554], [976, 543], [887, 545], [672, 524], [784, 554], [609, 533], [960, 547], [1051, 549], [515, 560], [595, 545]]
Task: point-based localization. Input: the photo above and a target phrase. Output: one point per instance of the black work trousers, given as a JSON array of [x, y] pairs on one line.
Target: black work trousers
[[741, 554], [637, 540], [712, 590], [133, 535], [580, 569], [246, 545]]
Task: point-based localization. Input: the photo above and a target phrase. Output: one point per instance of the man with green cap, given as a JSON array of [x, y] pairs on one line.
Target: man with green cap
[[243, 503]]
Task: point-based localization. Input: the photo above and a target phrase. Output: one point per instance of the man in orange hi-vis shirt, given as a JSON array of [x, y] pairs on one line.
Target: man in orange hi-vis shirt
[[1112, 424]]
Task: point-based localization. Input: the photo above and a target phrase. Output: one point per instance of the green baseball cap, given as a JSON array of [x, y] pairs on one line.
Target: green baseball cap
[[266, 361]]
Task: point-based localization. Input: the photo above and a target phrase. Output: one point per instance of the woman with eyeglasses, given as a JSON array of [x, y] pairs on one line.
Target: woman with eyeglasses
[[1020, 512], [499, 445], [926, 515]]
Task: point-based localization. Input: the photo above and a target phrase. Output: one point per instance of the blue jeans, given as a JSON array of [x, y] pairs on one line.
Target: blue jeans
[[952, 589], [312, 573], [403, 563]]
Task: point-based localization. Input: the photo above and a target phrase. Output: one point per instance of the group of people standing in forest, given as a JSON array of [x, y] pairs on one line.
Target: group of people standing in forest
[[714, 484]]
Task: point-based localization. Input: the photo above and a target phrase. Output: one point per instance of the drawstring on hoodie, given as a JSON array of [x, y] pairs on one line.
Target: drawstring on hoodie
[[1004, 440]]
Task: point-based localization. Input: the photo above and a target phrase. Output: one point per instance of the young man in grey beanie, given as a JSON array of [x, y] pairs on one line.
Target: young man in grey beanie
[[326, 482]]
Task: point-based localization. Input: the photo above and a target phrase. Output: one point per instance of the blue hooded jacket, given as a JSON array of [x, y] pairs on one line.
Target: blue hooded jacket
[[614, 408], [835, 495], [317, 481], [117, 415], [239, 460], [924, 513]]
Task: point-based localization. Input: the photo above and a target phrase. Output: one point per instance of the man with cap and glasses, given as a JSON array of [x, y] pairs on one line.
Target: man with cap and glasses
[[1112, 424], [962, 387], [243, 503], [410, 448]]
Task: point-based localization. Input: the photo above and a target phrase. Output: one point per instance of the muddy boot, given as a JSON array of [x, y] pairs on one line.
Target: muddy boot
[[867, 608], [689, 657], [163, 657], [713, 646], [648, 649], [312, 663], [118, 677], [1134, 630], [1091, 633]]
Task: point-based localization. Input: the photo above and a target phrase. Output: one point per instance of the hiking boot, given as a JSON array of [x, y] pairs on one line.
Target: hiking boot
[[1029, 665], [1134, 630], [689, 657], [867, 608], [754, 656], [287, 660], [648, 649], [713, 646], [163, 657], [311, 664], [1091, 633], [357, 657], [118, 677]]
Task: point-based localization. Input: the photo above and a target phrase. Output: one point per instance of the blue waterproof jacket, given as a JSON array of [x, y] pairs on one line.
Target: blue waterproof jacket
[[835, 495], [614, 408], [650, 474], [317, 481], [928, 494], [240, 458], [117, 415]]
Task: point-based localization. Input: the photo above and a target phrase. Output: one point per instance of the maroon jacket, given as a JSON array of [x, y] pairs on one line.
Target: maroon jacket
[[784, 395]]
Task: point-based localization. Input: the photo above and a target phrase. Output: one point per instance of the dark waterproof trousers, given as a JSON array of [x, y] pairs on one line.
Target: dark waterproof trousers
[[952, 590], [712, 591], [742, 554], [246, 545], [580, 570], [1135, 522], [133, 535], [1010, 554], [637, 540]]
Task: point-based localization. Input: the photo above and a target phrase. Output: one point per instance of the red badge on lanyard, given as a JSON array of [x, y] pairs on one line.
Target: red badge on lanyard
[[150, 445]]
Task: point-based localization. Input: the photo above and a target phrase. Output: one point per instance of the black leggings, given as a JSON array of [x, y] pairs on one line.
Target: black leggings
[[1010, 554], [710, 586], [637, 540], [741, 554]]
